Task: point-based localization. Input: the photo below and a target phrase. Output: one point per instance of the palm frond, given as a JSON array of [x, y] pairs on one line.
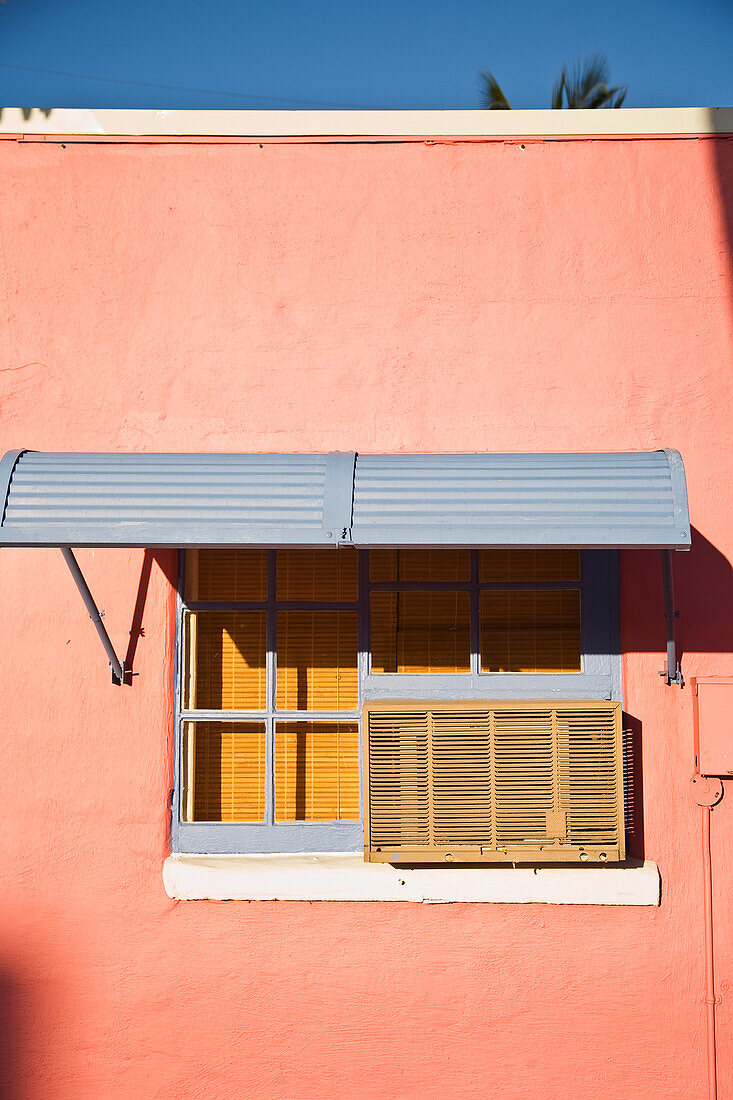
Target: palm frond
[[557, 90], [582, 85], [597, 97], [585, 86], [617, 95], [492, 97]]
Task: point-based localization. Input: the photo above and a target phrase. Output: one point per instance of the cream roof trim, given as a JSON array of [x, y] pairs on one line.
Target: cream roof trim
[[643, 122]]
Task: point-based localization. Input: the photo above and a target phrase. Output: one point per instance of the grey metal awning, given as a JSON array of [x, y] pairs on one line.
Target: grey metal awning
[[636, 499], [54, 499], [588, 500]]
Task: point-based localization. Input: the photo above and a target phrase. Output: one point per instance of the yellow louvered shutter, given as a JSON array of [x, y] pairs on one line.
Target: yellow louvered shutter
[[498, 781], [398, 778], [224, 771], [316, 771], [317, 660], [535, 630], [532, 564], [225, 666], [318, 574], [226, 574], [419, 632], [420, 565]]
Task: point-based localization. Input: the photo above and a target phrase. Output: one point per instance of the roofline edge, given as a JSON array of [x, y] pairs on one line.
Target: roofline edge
[[635, 122]]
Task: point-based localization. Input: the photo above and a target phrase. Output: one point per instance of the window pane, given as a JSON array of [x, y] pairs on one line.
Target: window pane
[[529, 565], [420, 631], [225, 661], [317, 660], [316, 771], [226, 574], [530, 631], [224, 771], [420, 565], [317, 574]]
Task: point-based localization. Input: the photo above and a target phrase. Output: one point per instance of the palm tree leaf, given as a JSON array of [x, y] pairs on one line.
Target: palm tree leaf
[[557, 90], [584, 80], [597, 97], [493, 99]]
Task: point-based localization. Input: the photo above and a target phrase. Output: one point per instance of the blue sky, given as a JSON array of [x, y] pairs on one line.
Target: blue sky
[[344, 53]]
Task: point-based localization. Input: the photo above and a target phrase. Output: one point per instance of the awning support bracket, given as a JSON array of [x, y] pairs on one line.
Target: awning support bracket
[[118, 669], [672, 673]]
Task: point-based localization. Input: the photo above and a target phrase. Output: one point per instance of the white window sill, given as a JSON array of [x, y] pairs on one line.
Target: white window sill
[[343, 876]]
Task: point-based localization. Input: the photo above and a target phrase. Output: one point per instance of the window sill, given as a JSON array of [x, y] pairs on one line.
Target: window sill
[[343, 876]]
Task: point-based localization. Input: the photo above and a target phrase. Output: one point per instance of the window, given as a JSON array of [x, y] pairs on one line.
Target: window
[[427, 605], [279, 650]]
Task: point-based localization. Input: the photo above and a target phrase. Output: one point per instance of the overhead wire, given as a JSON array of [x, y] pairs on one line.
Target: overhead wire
[[253, 96]]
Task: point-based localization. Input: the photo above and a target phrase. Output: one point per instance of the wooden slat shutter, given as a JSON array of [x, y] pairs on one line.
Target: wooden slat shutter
[[316, 771], [224, 660], [494, 781], [224, 771]]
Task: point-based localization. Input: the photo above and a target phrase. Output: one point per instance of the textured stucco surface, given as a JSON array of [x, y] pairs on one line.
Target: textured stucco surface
[[560, 295]]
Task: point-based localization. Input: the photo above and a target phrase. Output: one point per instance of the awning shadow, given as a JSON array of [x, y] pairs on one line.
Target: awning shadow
[[703, 587], [167, 562], [14, 1078]]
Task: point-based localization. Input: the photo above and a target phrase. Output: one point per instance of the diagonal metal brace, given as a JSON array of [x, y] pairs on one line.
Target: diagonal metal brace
[[118, 669], [672, 673]]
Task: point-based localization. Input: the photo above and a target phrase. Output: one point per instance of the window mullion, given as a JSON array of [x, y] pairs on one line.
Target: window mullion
[[271, 685], [364, 658], [475, 628]]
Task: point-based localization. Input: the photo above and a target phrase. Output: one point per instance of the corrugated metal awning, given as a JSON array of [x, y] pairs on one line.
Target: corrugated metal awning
[[54, 499], [588, 500], [592, 500]]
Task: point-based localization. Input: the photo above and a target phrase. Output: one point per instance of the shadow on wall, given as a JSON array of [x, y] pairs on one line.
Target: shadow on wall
[[703, 584], [633, 787], [703, 580], [167, 561], [13, 1070], [720, 123], [704, 593]]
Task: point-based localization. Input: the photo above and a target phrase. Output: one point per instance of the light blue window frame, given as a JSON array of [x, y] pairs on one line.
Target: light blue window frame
[[599, 678]]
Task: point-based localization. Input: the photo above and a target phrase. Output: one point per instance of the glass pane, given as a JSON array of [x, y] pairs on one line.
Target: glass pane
[[317, 574], [225, 660], [226, 574], [317, 660], [316, 771], [224, 771], [529, 565], [420, 565], [420, 631], [530, 631]]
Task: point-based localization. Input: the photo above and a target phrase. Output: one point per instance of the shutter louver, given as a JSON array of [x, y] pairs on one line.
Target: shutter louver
[[316, 771], [317, 660], [224, 771], [461, 744], [398, 777], [500, 781], [316, 574], [224, 667], [420, 632]]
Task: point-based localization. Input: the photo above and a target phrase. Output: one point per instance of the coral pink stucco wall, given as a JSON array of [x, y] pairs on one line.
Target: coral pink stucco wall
[[500, 296]]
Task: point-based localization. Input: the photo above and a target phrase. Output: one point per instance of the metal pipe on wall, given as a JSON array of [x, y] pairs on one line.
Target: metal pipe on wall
[[707, 791], [710, 998]]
